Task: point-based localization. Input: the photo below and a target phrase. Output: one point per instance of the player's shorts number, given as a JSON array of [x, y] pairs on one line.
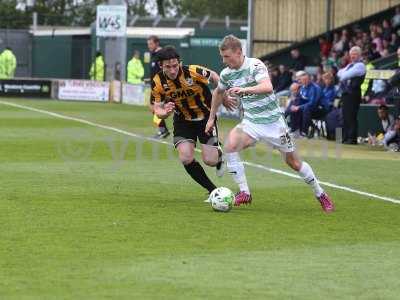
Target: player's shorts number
[[286, 139]]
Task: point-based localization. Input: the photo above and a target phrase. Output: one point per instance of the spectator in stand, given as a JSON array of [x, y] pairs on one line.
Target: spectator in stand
[[324, 46], [284, 80], [396, 19], [274, 76], [394, 42], [391, 140], [386, 119], [366, 40], [386, 30], [373, 52], [398, 57], [310, 94], [345, 59], [336, 46], [294, 116], [299, 61], [376, 39], [351, 78], [317, 77], [333, 60], [329, 92]]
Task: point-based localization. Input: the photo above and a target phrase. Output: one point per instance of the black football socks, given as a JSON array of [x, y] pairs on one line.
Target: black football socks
[[198, 174]]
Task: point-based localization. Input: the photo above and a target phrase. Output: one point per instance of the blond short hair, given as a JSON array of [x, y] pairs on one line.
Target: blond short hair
[[230, 42], [328, 76]]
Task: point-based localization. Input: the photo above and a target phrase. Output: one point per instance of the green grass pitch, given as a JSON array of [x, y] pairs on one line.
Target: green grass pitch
[[89, 213]]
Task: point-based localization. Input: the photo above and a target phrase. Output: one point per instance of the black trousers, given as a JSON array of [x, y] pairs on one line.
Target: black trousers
[[350, 107]]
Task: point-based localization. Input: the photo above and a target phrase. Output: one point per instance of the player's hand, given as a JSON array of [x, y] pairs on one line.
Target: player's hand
[[294, 108], [209, 126], [229, 102], [236, 91], [169, 107]]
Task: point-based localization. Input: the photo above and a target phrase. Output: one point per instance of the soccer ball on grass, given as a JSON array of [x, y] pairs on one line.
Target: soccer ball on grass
[[222, 199]]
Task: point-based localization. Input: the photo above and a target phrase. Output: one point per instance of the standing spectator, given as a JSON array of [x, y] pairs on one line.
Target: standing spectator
[[274, 77], [284, 80], [386, 30], [351, 78], [135, 69], [153, 44], [97, 69], [365, 86], [8, 64], [298, 60], [396, 19], [324, 46]]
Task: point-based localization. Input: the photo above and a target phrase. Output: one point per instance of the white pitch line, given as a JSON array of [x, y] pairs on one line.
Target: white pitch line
[[258, 166]]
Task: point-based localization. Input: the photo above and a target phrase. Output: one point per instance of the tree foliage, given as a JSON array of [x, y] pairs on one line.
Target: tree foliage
[[83, 13], [236, 9]]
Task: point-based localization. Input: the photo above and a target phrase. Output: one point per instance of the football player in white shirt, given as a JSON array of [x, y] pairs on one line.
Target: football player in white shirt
[[248, 79]]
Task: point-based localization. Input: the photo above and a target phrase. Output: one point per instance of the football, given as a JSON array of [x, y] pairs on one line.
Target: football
[[222, 199]]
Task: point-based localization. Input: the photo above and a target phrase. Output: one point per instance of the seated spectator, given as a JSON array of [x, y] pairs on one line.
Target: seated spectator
[[376, 93], [333, 60], [387, 120], [394, 42], [329, 92], [294, 121], [310, 95], [391, 140], [376, 39], [386, 123]]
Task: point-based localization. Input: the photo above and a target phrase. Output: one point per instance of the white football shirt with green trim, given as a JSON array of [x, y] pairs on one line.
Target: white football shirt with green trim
[[260, 108]]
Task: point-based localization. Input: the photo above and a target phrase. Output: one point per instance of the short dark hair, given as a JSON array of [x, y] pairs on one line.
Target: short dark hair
[[154, 38], [167, 53], [383, 107]]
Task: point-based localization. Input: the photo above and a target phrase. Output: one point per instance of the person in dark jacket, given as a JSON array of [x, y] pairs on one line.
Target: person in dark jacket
[[153, 44], [351, 77]]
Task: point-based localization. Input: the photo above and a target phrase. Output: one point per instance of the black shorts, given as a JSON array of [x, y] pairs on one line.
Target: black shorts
[[190, 131]]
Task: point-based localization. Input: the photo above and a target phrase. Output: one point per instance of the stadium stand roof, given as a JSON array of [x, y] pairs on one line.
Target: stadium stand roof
[[133, 32]]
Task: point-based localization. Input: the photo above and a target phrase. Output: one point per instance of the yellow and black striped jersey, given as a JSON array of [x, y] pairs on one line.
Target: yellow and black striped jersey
[[189, 91]]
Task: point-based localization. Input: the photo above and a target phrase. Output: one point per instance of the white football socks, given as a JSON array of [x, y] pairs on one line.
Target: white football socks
[[236, 169], [308, 175]]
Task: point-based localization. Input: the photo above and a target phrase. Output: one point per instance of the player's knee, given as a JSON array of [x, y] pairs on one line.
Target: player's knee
[[210, 161], [295, 164], [186, 160]]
